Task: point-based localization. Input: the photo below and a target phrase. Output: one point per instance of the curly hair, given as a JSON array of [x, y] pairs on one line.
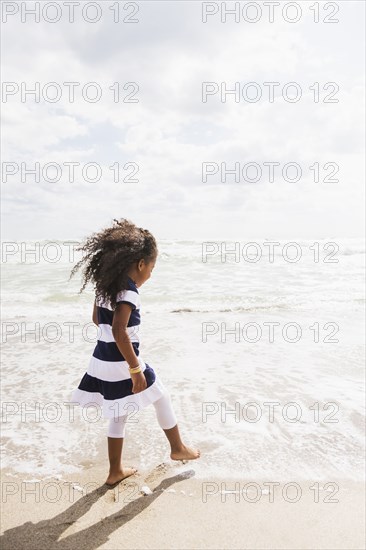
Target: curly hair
[[110, 253]]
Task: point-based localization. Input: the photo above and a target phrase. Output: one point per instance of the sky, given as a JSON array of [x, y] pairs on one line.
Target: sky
[[162, 140]]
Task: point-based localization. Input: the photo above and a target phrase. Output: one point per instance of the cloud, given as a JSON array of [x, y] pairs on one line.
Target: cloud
[[170, 132]]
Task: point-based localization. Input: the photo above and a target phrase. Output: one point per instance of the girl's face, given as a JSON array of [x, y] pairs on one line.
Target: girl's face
[[144, 270]]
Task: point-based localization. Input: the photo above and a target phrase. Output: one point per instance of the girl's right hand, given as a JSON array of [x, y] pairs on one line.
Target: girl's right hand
[[138, 382]]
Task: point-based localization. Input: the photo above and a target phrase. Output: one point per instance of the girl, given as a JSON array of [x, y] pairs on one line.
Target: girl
[[119, 260]]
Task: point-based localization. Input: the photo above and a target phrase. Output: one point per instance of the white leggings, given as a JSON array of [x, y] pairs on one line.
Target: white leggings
[[164, 413]]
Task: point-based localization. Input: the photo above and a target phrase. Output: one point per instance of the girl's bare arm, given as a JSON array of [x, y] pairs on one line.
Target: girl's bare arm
[[95, 315], [119, 330]]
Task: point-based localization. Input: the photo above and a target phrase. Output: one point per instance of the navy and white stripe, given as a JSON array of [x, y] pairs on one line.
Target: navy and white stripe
[[107, 381], [106, 348]]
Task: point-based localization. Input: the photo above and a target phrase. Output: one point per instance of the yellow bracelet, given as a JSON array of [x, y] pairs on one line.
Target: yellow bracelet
[[136, 369]]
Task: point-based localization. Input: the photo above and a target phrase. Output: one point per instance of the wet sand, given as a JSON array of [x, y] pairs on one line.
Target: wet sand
[[182, 512]]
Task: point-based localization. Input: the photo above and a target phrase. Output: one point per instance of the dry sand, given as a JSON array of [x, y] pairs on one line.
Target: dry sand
[[80, 512]]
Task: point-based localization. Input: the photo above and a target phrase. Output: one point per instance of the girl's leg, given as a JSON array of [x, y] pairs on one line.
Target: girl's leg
[[116, 434], [168, 422], [165, 413]]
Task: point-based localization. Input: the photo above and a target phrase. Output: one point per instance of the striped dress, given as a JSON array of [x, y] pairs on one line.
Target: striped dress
[[107, 381]]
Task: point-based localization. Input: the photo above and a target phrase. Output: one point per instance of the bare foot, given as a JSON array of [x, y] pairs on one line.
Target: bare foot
[[112, 479], [185, 453]]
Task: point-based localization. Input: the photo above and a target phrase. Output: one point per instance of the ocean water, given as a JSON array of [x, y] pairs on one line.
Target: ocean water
[[263, 357]]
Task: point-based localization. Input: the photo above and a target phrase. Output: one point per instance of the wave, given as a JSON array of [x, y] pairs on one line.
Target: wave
[[233, 309], [350, 252]]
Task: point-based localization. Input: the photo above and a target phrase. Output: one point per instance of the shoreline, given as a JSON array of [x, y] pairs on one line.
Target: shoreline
[[182, 512]]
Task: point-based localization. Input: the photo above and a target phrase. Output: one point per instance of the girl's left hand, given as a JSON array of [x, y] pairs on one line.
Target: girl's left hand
[[138, 382]]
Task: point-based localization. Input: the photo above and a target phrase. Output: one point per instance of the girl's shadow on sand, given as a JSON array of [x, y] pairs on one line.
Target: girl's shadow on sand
[[45, 534]]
